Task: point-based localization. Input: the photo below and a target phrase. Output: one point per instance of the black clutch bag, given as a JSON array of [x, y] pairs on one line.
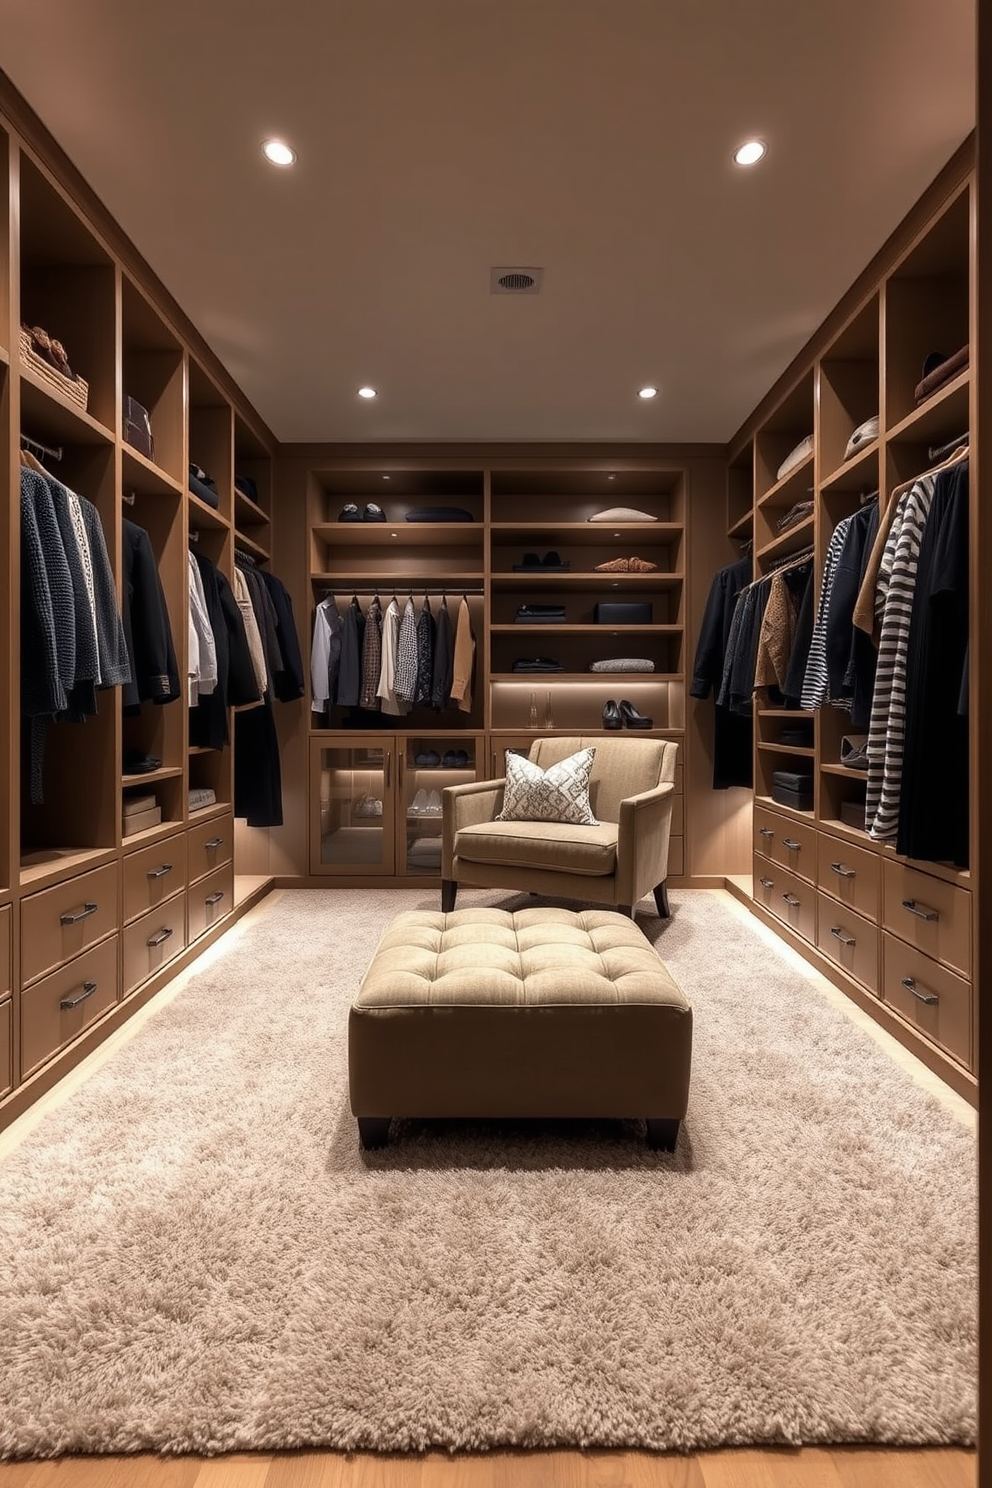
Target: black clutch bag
[[637, 612]]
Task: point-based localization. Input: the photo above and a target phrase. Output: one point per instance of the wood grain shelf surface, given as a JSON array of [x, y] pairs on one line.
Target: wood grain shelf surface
[[248, 513], [588, 579], [541, 679], [201, 515], [791, 541], [791, 488], [948, 405], [803, 749], [590, 630], [148, 777], [45, 411], [50, 865], [859, 471], [144, 476], [411, 534]]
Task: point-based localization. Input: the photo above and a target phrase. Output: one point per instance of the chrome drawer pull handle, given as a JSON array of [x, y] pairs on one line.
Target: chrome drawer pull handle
[[838, 934], [923, 913], [766, 831], [160, 872], [84, 914], [792, 901], [928, 997], [163, 934], [70, 1002], [767, 883], [841, 871], [791, 844], [214, 898], [214, 842]]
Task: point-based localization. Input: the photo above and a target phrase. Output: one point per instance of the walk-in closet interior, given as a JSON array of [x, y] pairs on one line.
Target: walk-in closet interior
[[190, 716]]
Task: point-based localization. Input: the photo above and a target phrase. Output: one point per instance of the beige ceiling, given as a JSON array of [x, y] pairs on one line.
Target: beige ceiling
[[438, 138]]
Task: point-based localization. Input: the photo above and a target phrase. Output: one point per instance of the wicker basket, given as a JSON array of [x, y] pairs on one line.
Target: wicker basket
[[77, 391]]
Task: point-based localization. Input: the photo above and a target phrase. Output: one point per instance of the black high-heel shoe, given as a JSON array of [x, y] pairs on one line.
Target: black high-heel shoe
[[611, 715], [632, 718]]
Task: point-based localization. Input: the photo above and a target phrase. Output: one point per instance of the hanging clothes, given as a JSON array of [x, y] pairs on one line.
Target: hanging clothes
[[406, 657], [236, 686], [386, 687], [442, 674], [894, 604], [287, 682], [426, 631], [934, 823], [201, 665], [816, 684], [242, 594], [732, 750], [350, 672], [325, 655], [147, 632], [371, 655], [463, 659]]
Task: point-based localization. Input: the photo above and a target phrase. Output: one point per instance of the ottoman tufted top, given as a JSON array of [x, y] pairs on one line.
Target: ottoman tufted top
[[530, 958]]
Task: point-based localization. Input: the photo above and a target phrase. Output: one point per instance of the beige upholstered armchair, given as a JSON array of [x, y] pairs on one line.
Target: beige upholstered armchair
[[615, 863]]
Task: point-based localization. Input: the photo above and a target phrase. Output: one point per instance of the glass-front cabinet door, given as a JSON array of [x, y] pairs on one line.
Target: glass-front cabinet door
[[352, 826], [429, 762]]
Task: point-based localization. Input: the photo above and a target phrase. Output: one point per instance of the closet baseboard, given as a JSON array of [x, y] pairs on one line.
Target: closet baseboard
[[25, 1095]]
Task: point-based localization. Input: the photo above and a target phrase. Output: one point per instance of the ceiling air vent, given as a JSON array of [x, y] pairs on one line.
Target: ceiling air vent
[[515, 281]]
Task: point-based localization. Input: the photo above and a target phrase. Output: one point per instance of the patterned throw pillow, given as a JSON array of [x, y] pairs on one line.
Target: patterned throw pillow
[[558, 794]]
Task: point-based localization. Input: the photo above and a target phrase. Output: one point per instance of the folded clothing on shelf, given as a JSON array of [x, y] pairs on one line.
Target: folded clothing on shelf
[[797, 734], [853, 814], [200, 796], [795, 514], [863, 434], [938, 369], [551, 562], [247, 487], [540, 614], [793, 788], [795, 457], [622, 664], [133, 762], [46, 356], [203, 485], [633, 612], [137, 428], [622, 514], [536, 664], [439, 514]]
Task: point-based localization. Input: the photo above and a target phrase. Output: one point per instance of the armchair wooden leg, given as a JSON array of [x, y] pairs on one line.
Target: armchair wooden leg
[[373, 1131], [626, 909], [448, 891], [661, 901]]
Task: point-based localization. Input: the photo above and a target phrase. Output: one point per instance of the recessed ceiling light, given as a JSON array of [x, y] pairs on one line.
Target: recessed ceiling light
[[750, 152], [278, 152], [385, 477], [611, 477], [368, 392], [647, 392]]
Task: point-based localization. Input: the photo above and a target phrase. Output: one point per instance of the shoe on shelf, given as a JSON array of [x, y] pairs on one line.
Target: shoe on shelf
[[450, 760], [350, 513], [373, 513], [418, 805], [632, 718], [461, 759], [428, 759], [611, 715], [433, 806], [615, 565], [641, 565]]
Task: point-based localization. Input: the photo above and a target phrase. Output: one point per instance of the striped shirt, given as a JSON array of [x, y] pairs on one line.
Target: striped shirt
[[894, 610], [817, 681]]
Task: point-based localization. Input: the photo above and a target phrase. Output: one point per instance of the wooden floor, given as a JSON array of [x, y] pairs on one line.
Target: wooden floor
[[813, 1467]]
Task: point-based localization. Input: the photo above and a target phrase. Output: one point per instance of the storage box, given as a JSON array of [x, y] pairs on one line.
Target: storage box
[[142, 819], [790, 788], [147, 801], [852, 814], [638, 612], [138, 428]]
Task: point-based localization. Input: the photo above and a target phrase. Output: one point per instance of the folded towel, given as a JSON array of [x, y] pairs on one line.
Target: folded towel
[[937, 372]]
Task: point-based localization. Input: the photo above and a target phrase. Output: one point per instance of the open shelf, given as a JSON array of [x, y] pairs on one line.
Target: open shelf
[[773, 805], [792, 541], [51, 416], [802, 749], [51, 865], [149, 777], [249, 545], [202, 515], [144, 476]]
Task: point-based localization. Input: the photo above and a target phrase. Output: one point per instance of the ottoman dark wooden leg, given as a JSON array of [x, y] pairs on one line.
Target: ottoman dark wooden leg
[[373, 1131], [661, 901], [663, 1134], [448, 891]]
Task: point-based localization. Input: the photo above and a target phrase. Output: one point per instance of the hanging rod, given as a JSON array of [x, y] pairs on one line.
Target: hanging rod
[[53, 451], [426, 589]]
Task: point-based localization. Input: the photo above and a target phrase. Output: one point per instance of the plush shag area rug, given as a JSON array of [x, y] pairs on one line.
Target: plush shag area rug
[[196, 1256]]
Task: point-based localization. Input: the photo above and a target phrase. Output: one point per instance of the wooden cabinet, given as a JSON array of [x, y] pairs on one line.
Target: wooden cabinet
[[849, 940], [6, 1044], [930, 914], [60, 1006], [60, 922], [848, 874], [928, 996], [153, 875], [789, 843], [789, 898], [210, 900], [154, 940], [209, 844]]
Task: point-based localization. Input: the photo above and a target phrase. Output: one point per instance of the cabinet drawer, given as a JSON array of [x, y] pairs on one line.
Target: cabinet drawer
[[153, 941], [930, 914], [61, 922], [850, 941], [788, 843], [929, 996], [59, 1007], [678, 816], [676, 857], [849, 874], [209, 845], [6, 976], [210, 900], [6, 1045], [153, 875], [789, 898]]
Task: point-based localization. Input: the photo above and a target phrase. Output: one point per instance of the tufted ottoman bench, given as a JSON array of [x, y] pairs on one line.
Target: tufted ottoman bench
[[544, 1012]]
